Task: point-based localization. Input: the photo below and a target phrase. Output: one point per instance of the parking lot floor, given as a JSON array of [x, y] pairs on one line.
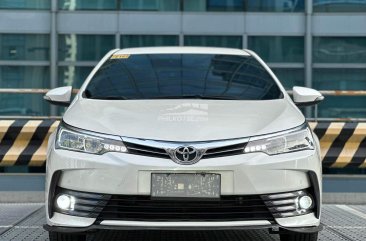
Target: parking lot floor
[[23, 222]]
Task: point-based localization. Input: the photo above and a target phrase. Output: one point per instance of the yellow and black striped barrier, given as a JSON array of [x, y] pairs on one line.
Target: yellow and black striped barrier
[[343, 144], [24, 142]]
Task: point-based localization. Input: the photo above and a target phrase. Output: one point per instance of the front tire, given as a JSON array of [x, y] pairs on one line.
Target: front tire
[[55, 236], [294, 236]]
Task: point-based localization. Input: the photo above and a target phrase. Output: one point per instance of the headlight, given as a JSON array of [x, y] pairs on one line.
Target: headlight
[[76, 140], [295, 140]]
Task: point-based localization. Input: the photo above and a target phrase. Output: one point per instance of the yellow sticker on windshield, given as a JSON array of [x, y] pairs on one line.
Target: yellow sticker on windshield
[[120, 56]]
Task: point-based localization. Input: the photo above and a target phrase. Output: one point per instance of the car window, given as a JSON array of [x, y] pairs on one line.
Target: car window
[[155, 76]]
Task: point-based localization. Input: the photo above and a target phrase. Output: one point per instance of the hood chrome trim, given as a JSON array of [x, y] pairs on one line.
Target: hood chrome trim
[[174, 145]]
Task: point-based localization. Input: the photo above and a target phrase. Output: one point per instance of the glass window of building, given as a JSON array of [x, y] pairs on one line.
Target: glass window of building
[[339, 79], [214, 41], [73, 47], [290, 77], [339, 49], [130, 41], [274, 49], [23, 105], [24, 46], [275, 6], [342, 107], [73, 75], [23, 77], [87, 4], [214, 5], [150, 5], [25, 4], [339, 6]]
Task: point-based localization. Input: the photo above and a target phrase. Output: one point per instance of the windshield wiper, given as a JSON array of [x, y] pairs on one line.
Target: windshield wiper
[[205, 97], [108, 97]]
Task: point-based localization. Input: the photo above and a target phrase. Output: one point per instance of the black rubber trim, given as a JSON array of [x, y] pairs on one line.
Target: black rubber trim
[[315, 191], [94, 228], [52, 192], [310, 103], [59, 103]]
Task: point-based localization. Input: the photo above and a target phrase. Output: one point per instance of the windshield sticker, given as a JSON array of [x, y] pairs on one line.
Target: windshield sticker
[[120, 56]]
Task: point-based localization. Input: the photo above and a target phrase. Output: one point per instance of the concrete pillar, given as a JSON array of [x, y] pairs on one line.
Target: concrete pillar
[[308, 48], [53, 51]]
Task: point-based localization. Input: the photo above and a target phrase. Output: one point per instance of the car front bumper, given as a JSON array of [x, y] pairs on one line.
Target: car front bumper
[[126, 174]]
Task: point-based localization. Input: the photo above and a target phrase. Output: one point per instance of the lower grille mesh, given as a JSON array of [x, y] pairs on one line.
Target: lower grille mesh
[[143, 208]]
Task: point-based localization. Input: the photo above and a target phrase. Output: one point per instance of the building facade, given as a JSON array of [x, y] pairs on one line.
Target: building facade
[[314, 43]]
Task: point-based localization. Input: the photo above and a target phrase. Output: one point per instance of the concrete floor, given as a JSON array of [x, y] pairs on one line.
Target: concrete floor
[[23, 222]]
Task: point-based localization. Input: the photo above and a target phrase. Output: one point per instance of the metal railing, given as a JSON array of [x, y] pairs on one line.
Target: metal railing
[[28, 91], [323, 92]]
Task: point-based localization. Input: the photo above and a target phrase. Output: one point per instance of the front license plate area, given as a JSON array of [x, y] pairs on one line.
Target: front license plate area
[[185, 185]]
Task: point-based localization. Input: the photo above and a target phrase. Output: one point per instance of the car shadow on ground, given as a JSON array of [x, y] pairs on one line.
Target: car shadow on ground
[[236, 235]]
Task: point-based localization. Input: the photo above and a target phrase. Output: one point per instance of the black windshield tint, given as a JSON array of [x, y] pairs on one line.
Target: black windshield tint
[[154, 76]]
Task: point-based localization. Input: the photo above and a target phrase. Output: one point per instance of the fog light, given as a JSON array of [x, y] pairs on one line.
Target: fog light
[[305, 202], [65, 202]]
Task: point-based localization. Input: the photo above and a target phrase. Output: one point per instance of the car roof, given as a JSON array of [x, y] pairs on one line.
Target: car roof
[[182, 50]]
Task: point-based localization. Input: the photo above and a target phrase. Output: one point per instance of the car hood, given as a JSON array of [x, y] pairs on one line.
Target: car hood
[[184, 120]]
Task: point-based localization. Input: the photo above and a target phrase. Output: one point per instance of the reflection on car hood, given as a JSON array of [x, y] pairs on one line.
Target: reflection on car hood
[[184, 120]]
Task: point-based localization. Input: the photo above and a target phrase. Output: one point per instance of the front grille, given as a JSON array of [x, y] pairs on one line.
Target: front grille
[[143, 208], [231, 150], [144, 150]]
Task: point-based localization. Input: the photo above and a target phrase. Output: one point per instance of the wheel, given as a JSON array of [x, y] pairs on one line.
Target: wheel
[[55, 236], [294, 236]]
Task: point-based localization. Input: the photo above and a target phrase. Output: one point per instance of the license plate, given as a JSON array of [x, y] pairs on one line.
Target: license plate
[[185, 185]]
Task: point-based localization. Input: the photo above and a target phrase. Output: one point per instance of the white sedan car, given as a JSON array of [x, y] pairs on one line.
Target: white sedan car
[[183, 138]]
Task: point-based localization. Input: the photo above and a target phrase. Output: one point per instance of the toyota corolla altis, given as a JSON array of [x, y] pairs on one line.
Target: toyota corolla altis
[[183, 138]]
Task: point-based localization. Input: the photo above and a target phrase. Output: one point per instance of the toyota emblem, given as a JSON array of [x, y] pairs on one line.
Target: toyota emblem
[[186, 155]]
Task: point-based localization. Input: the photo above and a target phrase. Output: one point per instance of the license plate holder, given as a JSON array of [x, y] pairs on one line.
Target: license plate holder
[[185, 185]]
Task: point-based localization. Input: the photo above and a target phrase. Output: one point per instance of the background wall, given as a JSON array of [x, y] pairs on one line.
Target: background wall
[[315, 43], [50, 43]]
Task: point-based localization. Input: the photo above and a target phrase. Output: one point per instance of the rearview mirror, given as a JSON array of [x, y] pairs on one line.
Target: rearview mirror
[[59, 96], [306, 96]]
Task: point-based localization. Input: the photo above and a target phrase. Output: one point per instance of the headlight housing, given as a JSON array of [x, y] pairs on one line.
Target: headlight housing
[[297, 139], [69, 138]]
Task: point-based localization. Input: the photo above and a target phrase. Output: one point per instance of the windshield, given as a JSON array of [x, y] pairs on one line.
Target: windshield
[[175, 76]]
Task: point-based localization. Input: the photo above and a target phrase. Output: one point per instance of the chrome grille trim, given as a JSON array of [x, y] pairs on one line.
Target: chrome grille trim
[[162, 149], [218, 152], [196, 144], [141, 148]]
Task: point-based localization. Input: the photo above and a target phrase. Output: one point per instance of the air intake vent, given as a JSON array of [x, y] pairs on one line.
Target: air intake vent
[[144, 208]]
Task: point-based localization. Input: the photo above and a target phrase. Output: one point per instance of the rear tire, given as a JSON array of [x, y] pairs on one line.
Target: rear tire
[[294, 236], [55, 236]]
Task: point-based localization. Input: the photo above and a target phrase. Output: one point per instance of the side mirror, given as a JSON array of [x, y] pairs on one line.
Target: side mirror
[[59, 96], [306, 96]]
